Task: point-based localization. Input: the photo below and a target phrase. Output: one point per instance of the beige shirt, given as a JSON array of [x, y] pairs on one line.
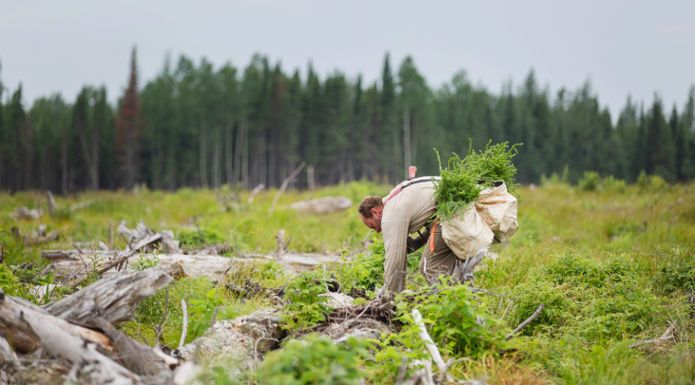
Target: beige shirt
[[404, 213]]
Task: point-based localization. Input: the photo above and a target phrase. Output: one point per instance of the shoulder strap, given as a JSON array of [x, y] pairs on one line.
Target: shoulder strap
[[409, 183]]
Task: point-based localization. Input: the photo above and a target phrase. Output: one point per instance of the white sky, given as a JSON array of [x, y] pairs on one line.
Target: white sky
[[623, 47]]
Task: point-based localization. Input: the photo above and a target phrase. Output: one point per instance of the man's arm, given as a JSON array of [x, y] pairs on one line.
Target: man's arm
[[395, 236]]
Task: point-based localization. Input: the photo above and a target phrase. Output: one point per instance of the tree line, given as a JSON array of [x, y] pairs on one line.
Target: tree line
[[200, 126]]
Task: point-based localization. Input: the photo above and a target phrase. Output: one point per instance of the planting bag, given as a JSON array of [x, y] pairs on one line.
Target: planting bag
[[498, 209], [493, 215]]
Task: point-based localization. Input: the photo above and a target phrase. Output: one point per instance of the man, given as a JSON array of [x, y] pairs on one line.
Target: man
[[408, 209]]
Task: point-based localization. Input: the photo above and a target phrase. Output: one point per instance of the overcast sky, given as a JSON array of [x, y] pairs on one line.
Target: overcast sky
[[624, 47]]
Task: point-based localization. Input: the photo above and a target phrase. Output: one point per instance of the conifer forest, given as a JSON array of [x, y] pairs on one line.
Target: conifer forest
[[198, 125]]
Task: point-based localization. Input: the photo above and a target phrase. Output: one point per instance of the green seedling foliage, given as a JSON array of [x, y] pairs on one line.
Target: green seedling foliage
[[199, 237], [9, 283], [462, 179], [203, 299], [266, 275], [306, 305], [557, 308], [590, 181], [651, 182], [677, 273], [145, 262], [455, 319], [315, 360], [360, 275]]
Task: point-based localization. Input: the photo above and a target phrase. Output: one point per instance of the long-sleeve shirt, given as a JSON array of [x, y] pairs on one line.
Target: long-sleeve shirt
[[404, 213]]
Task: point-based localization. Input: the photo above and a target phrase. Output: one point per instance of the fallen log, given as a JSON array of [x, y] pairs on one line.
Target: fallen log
[[71, 266], [138, 358], [322, 205], [239, 343], [141, 232], [114, 298], [26, 327], [26, 213], [119, 259]]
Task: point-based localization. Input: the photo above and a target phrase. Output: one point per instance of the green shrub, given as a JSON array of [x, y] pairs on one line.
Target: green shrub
[[315, 360], [145, 262], [572, 269], [557, 308], [362, 274], [676, 274], [262, 275], [611, 183], [455, 319], [203, 300], [306, 306], [651, 182], [622, 310], [9, 283], [199, 237], [590, 181]]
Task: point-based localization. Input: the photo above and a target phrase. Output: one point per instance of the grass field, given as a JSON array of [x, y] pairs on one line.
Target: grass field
[[612, 266]]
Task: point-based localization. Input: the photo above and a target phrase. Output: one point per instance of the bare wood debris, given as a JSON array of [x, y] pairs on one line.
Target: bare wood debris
[[26, 213], [530, 319], [114, 299], [74, 340], [255, 192], [665, 338], [325, 205], [285, 184], [241, 342]]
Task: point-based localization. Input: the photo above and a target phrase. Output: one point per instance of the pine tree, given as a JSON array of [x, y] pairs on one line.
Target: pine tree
[[660, 153], [127, 145], [685, 144], [389, 135]]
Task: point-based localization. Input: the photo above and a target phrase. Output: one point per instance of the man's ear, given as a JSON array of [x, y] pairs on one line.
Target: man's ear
[[376, 210]]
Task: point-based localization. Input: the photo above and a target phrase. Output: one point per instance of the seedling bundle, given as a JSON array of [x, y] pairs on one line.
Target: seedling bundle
[[463, 179]]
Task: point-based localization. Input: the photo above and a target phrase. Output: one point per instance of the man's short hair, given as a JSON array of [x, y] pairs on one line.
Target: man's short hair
[[368, 203]]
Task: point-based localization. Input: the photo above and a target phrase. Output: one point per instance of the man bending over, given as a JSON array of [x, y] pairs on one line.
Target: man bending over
[[408, 209]]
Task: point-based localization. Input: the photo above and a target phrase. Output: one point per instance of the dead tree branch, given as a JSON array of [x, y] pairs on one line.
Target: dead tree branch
[[526, 322]]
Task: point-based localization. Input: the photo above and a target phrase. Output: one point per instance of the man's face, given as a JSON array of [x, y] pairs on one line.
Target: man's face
[[373, 222]]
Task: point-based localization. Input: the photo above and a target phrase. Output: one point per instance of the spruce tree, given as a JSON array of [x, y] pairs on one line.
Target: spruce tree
[[127, 146]]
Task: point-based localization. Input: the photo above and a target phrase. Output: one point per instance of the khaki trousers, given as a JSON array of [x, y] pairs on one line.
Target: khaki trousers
[[439, 261]]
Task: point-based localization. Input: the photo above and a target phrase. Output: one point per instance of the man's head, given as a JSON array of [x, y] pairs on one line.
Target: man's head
[[370, 212]]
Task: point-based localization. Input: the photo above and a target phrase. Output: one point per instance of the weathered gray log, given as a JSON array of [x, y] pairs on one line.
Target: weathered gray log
[[51, 202], [239, 343], [138, 358], [140, 232], [322, 205], [463, 271], [119, 259], [114, 298], [362, 328], [44, 371], [26, 213], [211, 266], [26, 327], [56, 254], [7, 355], [284, 185]]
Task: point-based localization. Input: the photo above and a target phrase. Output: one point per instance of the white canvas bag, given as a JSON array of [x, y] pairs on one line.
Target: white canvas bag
[[498, 208], [493, 215]]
